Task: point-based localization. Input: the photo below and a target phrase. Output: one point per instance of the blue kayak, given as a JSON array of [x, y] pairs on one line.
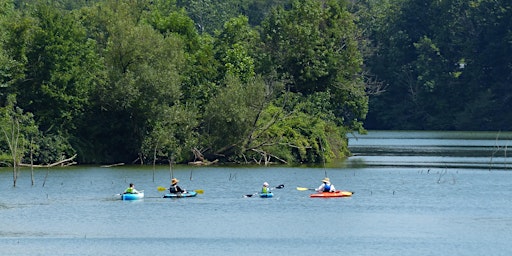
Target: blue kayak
[[129, 196], [180, 195], [266, 195]]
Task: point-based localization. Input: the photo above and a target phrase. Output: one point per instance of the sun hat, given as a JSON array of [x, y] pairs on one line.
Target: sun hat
[[174, 181], [326, 180], [265, 184]]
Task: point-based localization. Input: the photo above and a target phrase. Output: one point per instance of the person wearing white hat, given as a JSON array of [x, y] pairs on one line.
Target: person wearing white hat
[[265, 189], [175, 189], [326, 186]]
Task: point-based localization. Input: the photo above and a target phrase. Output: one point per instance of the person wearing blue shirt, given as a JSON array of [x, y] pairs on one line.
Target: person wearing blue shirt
[[326, 186]]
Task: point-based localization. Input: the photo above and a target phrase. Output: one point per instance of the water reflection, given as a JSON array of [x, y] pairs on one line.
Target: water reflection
[[481, 150]]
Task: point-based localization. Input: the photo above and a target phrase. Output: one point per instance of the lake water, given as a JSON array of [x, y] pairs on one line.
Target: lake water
[[416, 193]]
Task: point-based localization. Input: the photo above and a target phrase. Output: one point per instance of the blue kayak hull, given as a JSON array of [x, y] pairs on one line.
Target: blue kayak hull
[[181, 195], [130, 196], [266, 195]]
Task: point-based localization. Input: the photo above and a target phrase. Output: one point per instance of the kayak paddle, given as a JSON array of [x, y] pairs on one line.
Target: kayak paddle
[[304, 189], [280, 186], [161, 189], [277, 187]]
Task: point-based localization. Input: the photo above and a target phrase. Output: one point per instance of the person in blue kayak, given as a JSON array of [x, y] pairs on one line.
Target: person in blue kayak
[[326, 186], [175, 189], [131, 189], [265, 189]]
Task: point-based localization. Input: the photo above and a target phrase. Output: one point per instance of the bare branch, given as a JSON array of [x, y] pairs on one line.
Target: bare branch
[[64, 162]]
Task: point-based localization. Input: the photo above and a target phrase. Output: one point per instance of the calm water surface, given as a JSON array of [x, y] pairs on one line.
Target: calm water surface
[[416, 193]]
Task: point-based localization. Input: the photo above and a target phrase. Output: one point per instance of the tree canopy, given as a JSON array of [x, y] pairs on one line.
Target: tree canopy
[[158, 81], [153, 81]]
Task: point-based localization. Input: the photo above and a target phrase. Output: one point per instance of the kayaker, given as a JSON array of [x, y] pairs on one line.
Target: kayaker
[[326, 186], [265, 189], [175, 189], [131, 189]]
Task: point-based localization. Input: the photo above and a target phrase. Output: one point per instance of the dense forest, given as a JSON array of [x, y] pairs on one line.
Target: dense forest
[[247, 81]]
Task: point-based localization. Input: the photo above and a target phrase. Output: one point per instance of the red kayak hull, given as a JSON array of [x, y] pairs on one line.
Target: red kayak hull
[[338, 193]]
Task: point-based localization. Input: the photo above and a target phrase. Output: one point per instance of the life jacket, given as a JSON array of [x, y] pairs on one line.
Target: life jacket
[[265, 190], [175, 189], [327, 187], [128, 191]]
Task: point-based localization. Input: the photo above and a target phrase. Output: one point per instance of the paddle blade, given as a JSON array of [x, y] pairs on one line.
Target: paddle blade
[[199, 191], [250, 195], [347, 193], [160, 188], [280, 186], [303, 189]]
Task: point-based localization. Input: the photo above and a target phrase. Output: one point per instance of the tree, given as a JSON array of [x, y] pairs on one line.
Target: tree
[[443, 63], [235, 48], [173, 135], [314, 47], [210, 15], [257, 10], [232, 112], [17, 129], [143, 74], [14, 31], [61, 68]]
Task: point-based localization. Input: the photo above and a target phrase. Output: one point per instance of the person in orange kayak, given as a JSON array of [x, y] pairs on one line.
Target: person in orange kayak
[[326, 186], [175, 189]]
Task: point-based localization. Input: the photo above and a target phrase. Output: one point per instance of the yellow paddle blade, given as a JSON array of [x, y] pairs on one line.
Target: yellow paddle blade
[[302, 189], [346, 193], [160, 188], [199, 191]]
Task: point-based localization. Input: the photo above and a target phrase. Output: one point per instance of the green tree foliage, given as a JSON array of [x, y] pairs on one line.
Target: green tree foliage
[[160, 80], [444, 64], [257, 10], [14, 31], [230, 116], [235, 48], [143, 78], [49, 70], [60, 68], [200, 75], [297, 137], [314, 45], [17, 129], [173, 135], [164, 18], [210, 15]]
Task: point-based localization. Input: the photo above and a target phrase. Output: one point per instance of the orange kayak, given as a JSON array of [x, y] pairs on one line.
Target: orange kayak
[[338, 193]]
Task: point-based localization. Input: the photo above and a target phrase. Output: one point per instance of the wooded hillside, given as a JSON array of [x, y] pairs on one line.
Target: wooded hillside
[[146, 81]]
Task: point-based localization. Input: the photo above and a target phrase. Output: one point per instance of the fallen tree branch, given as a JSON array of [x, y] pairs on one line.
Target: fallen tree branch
[[112, 165], [64, 162], [204, 162], [267, 156]]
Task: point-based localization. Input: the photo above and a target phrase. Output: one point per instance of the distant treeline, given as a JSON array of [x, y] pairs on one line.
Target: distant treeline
[[250, 81], [442, 65]]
